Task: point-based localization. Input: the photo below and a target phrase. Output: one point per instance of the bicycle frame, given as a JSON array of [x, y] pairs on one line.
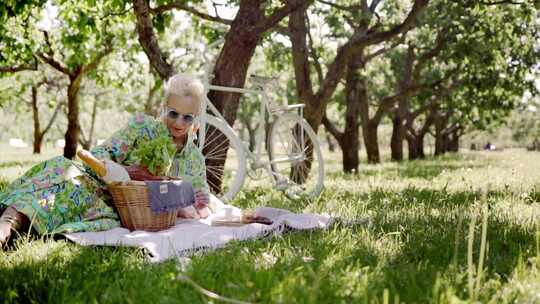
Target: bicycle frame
[[261, 89], [256, 156]]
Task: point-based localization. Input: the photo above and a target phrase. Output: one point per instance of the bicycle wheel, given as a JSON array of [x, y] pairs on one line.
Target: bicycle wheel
[[225, 159], [295, 157]]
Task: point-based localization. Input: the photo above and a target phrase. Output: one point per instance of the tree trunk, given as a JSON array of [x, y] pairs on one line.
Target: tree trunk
[[441, 143], [398, 134], [371, 142], [38, 141], [420, 146], [73, 128], [92, 124], [38, 138], [350, 144], [39, 134], [399, 119], [453, 142], [231, 70], [412, 144], [251, 136], [440, 140], [416, 146], [331, 145], [369, 126], [151, 106], [350, 157]]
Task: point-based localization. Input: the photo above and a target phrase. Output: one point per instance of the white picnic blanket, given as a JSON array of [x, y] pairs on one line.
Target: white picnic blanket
[[189, 235]]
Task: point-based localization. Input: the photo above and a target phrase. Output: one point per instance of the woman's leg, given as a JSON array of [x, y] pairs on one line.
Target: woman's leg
[[11, 220]]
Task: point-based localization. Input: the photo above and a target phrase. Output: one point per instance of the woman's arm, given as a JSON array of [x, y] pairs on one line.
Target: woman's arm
[[123, 141], [198, 171], [200, 184]]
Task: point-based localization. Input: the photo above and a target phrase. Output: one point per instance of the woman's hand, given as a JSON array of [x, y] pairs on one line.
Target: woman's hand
[[141, 173], [201, 199], [188, 213], [201, 203]]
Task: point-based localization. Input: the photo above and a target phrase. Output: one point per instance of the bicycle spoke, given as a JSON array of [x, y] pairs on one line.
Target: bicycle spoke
[[294, 156], [221, 151], [212, 184], [219, 145], [212, 139], [225, 158], [284, 143], [218, 172]]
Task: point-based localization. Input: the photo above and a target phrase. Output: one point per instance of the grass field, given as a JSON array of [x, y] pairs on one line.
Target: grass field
[[412, 232]]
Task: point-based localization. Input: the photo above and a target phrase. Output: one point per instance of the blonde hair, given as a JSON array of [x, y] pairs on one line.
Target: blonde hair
[[184, 85]]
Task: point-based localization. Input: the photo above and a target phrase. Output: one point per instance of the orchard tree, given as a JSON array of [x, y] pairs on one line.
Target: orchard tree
[[368, 37], [38, 93], [73, 37], [496, 68]]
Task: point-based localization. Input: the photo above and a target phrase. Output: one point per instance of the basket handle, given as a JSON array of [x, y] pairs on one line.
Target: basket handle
[[91, 161]]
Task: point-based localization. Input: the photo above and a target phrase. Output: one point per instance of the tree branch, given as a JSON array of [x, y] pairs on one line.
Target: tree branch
[[388, 101], [49, 58], [55, 64], [94, 63], [330, 127], [53, 118], [373, 5], [18, 68], [48, 43], [360, 39], [121, 13], [180, 5], [501, 2], [383, 50], [357, 43], [148, 40], [313, 53], [430, 119], [82, 137], [300, 55], [349, 8], [423, 59], [282, 30], [280, 13]]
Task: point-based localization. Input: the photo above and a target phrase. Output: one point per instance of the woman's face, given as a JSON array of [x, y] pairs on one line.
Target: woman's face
[[183, 108]]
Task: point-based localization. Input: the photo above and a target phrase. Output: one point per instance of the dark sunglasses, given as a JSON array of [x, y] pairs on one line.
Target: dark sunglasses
[[186, 118]]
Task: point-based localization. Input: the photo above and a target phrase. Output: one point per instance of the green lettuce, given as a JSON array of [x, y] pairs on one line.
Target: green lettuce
[[157, 154]]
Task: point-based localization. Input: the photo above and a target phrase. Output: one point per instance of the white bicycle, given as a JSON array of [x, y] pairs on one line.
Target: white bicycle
[[293, 160]]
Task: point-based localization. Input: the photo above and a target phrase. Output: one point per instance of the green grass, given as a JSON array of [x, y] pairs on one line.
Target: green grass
[[409, 244]]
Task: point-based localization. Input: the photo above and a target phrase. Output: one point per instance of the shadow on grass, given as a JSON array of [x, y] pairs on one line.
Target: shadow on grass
[[417, 241], [427, 241], [424, 169], [409, 249], [74, 274], [430, 170]]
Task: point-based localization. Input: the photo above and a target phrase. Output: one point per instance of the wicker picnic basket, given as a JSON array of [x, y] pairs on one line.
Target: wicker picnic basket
[[133, 205], [131, 200]]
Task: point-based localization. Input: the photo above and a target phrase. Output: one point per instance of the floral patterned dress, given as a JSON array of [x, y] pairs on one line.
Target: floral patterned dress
[[60, 195]]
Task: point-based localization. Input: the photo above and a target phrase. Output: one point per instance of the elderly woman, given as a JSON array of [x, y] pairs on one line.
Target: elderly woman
[[60, 195]]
